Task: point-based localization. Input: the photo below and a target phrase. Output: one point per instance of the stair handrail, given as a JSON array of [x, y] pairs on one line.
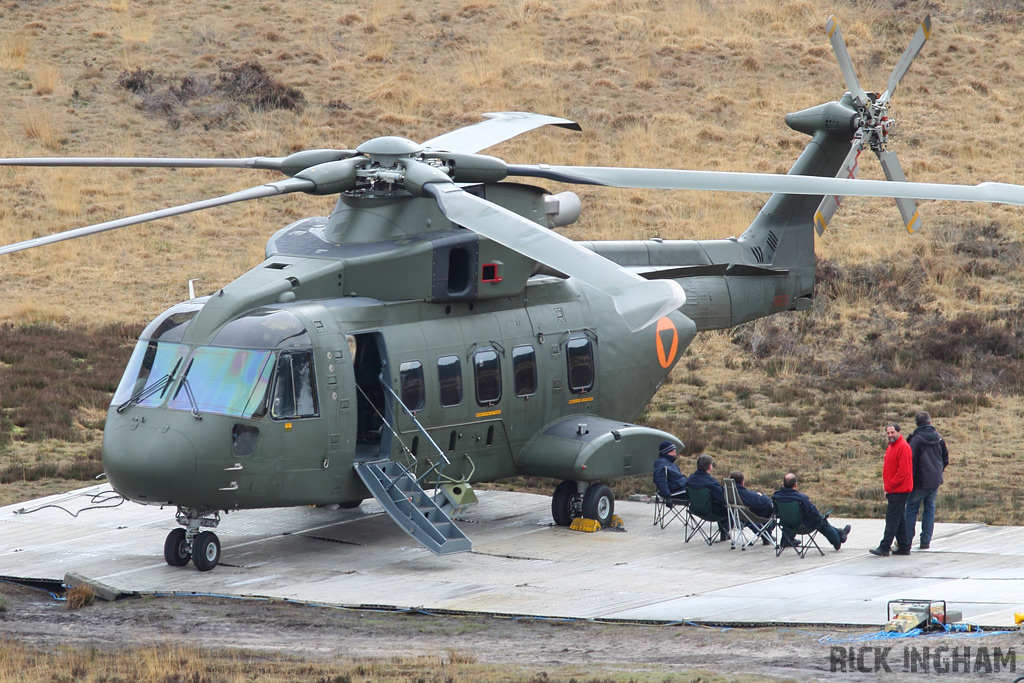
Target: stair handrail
[[439, 466]]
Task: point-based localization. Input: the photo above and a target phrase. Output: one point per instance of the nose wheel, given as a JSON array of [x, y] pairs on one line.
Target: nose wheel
[[177, 549], [189, 543]]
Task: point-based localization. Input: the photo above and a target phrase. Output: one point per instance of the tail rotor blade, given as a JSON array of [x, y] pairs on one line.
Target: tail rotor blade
[[907, 58], [908, 207], [835, 36], [830, 202]]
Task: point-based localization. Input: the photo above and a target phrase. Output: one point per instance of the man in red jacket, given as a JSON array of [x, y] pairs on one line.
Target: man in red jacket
[[898, 479]]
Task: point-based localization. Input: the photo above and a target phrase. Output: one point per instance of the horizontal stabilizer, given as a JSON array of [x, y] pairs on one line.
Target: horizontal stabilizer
[[709, 270]]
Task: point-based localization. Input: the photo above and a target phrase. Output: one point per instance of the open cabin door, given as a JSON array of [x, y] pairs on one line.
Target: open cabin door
[[374, 411]]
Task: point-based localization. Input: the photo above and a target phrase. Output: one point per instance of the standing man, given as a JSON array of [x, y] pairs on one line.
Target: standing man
[[930, 460], [671, 483], [898, 480]]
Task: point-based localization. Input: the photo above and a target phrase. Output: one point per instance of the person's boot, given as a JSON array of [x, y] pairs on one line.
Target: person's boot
[[902, 551], [881, 552]]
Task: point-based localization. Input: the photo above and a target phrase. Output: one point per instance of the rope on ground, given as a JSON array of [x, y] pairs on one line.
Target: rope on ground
[[99, 501], [958, 630]]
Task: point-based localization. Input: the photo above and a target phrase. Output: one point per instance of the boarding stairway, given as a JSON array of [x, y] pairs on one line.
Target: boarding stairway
[[423, 516]]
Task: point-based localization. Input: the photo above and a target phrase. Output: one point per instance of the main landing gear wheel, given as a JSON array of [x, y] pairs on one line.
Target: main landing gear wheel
[[176, 550], [566, 503], [599, 504], [206, 551]]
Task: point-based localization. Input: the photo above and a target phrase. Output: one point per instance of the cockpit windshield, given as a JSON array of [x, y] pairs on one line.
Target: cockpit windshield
[[225, 381], [231, 376], [146, 379]]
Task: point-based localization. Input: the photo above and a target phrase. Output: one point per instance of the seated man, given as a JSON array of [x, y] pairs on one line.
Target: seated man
[[757, 503], [670, 481], [703, 479], [810, 515]]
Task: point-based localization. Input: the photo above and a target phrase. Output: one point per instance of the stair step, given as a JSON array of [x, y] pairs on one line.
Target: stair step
[[415, 512]]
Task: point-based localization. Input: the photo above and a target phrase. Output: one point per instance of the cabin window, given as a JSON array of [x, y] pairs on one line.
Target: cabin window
[[294, 393], [579, 355], [487, 370], [524, 370], [449, 377], [413, 393]]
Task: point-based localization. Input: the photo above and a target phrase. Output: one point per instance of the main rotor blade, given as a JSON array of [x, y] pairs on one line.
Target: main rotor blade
[[268, 190], [640, 302], [133, 162], [907, 58], [728, 181], [498, 127], [289, 165], [835, 36], [893, 171]]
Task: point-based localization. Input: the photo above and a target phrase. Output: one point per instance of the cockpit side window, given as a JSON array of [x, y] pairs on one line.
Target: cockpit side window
[[294, 394]]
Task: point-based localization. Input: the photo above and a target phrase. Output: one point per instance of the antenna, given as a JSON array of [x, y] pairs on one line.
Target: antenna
[[192, 288]]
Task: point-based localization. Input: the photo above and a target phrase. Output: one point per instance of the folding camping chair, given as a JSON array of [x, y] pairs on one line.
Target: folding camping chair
[[790, 525], [665, 514], [699, 513], [742, 519]]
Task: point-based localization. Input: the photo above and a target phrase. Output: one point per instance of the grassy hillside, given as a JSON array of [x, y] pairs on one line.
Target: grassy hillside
[[900, 322]]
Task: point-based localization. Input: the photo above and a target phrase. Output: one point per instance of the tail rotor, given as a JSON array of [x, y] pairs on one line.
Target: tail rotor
[[875, 124]]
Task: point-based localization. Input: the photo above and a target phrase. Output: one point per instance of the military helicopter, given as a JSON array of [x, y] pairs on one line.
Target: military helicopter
[[434, 330]]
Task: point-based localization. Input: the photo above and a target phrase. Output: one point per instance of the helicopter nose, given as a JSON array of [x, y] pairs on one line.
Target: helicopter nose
[[149, 465]]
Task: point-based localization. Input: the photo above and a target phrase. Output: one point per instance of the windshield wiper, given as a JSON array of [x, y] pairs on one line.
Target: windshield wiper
[[191, 398], [158, 386]]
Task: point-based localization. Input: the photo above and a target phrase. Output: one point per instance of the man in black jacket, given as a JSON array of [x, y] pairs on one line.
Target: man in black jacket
[[671, 483], [757, 503], [702, 478], [810, 516], [930, 459]]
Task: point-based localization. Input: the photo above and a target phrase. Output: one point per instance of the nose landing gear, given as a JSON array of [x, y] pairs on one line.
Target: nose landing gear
[[188, 543]]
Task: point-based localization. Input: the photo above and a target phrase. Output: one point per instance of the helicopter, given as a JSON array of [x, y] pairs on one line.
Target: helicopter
[[435, 331]]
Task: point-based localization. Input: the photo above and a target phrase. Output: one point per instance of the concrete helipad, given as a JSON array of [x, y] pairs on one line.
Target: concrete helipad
[[520, 564]]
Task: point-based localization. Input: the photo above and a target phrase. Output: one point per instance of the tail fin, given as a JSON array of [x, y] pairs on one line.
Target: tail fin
[[840, 131], [780, 235]]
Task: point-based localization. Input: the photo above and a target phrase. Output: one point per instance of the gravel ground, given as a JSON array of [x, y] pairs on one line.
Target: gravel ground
[[34, 618]]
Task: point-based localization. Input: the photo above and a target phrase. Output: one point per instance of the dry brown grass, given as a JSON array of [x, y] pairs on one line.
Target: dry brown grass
[[13, 51], [690, 84], [78, 597], [19, 662], [46, 80]]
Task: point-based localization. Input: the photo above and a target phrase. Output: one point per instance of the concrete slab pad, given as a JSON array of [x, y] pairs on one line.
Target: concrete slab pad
[[520, 564]]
